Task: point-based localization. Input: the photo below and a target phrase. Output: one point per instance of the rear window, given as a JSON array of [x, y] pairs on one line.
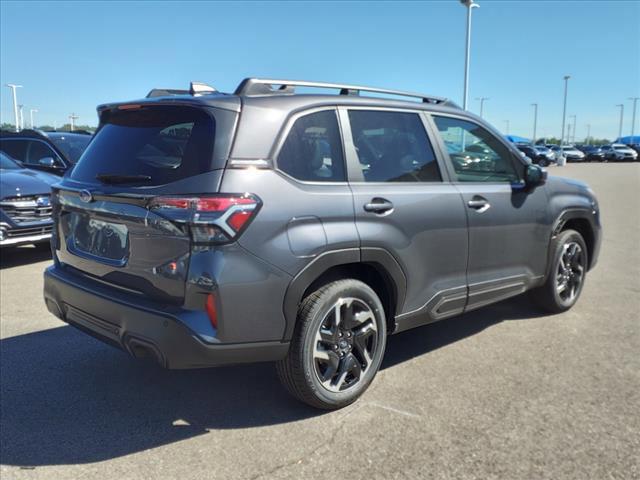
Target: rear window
[[161, 144]]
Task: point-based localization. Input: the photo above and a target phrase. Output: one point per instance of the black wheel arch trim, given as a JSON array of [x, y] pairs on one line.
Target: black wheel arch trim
[[565, 215], [334, 258]]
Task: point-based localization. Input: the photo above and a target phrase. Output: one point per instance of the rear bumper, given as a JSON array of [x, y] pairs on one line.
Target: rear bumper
[[143, 331]]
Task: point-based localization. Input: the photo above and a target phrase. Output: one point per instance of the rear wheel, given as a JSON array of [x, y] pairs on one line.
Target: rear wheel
[[564, 283], [337, 346]]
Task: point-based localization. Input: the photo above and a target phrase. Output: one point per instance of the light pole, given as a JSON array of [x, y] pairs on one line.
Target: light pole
[[588, 134], [573, 138], [633, 116], [482, 100], [13, 87], [31, 112], [73, 117], [507, 125], [470, 4], [20, 107], [621, 105], [564, 109], [535, 121]]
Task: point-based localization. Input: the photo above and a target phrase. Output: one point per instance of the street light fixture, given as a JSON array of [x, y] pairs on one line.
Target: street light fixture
[[31, 112], [588, 134], [482, 100], [564, 108], [633, 116], [470, 4], [13, 87], [535, 121], [507, 124], [621, 105]]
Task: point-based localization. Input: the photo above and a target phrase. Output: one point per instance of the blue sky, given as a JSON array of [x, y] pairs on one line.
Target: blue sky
[[72, 56]]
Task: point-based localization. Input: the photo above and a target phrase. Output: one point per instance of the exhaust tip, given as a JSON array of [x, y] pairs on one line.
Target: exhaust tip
[[144, 350]]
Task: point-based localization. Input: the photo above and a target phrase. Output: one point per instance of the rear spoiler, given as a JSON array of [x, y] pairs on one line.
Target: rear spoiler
[[195, 89]]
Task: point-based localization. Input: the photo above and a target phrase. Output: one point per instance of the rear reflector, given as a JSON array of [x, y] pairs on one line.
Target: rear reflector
[[211, 310]]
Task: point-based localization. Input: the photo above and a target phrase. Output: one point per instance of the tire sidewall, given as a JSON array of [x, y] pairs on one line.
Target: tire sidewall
[[364, 293]]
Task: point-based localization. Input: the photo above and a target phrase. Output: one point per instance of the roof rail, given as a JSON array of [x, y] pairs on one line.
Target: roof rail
[[265, 86]]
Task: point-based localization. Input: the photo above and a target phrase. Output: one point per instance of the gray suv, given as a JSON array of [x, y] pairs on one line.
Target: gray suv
[[201, 228]]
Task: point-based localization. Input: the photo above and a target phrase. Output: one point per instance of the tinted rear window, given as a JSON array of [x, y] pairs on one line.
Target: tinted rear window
[[164, 143]]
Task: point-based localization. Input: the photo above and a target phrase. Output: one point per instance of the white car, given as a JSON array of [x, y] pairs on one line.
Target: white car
[[619, 152]]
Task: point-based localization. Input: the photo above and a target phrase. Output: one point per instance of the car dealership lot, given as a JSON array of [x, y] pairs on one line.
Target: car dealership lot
[[503, 392]]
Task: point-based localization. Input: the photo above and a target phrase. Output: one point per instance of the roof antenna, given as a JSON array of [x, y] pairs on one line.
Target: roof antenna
[[199, 88]]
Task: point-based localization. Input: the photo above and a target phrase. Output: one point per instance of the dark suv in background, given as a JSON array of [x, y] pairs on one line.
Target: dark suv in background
[[51, 152], [203, 228]]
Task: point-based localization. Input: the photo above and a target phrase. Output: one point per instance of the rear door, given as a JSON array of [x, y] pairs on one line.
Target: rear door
[[110, 225], [509, 227], [405, 205]]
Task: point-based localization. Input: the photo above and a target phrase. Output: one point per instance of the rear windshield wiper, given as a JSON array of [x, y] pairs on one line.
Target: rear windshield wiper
[[120, 178]]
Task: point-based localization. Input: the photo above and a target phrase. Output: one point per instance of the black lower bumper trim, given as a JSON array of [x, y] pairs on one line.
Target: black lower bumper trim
[[143, 332]]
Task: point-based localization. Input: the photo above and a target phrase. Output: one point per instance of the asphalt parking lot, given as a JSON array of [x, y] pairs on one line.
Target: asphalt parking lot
[[503, 392]]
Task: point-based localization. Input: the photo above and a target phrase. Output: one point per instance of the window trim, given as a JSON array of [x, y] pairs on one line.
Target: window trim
[[354, 171], [449, 164], [284, 133]]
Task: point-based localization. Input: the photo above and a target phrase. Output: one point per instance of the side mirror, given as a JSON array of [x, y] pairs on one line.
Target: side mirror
[[47, 162], [535, 175]]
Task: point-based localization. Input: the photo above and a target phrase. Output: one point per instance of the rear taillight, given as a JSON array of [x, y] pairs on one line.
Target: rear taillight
[[212, 218]]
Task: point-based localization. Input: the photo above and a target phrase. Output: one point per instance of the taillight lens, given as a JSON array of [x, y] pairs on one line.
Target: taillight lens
[[212, 218]]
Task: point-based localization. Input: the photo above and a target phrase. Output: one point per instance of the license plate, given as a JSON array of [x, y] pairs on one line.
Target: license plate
[[97, 238]]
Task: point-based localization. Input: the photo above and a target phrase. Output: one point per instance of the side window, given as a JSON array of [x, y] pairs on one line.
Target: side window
[[16, 149], [476, 155], [38, 150], [393, 147], [312, 150]]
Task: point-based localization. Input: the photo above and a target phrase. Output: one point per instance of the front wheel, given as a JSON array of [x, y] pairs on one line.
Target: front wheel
[[337, 345], [564, 282]]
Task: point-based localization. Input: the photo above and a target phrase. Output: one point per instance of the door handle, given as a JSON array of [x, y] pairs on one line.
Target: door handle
[[378, 205], [479, 204]]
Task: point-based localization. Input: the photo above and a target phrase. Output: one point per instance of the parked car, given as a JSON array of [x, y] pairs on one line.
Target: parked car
[[538, 155], [618, 152], [201, 229], [571, 153], [593, 153], [25, 204], [52, 152]]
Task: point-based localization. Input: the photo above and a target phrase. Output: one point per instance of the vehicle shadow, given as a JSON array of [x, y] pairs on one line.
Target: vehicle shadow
[[66, 398], [17, 256]]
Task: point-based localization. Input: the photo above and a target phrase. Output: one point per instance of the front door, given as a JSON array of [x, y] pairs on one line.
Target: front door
[[509, 227], [405, 205]]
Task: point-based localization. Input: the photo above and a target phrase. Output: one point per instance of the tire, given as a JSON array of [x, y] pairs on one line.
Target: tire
[[353, 346], [543, 163], [563, 286]]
